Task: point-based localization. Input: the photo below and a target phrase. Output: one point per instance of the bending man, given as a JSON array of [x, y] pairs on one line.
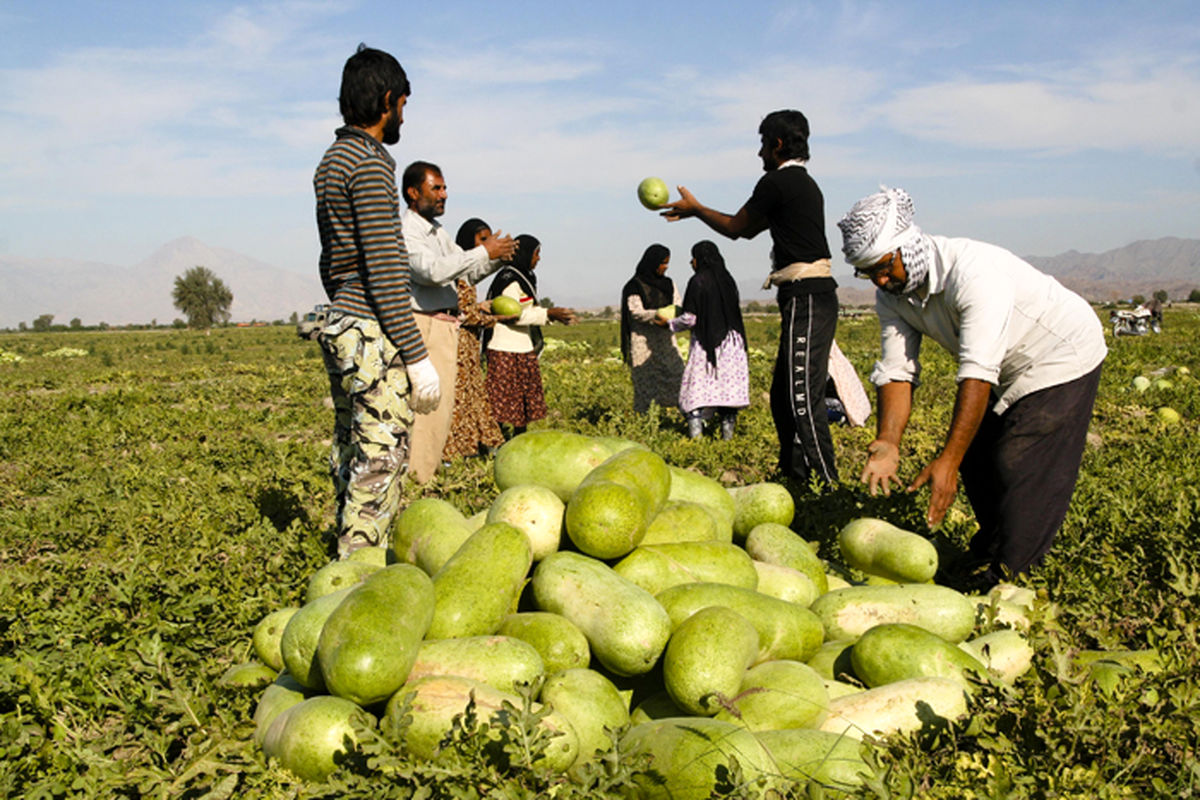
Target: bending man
[[1029, 354]]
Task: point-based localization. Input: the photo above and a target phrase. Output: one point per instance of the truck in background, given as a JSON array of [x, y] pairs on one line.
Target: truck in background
[[308, 326]]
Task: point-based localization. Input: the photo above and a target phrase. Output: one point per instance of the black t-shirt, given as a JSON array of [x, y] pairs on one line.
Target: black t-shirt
[[791, 203]]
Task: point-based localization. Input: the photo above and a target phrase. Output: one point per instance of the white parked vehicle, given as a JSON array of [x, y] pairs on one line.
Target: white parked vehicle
[[311, 323]]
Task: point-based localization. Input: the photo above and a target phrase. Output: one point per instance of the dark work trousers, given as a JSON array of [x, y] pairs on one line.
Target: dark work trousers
[[1019, 472], [798, 385]]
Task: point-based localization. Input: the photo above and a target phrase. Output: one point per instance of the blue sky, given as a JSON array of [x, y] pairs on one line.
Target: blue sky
[[1041, 127]]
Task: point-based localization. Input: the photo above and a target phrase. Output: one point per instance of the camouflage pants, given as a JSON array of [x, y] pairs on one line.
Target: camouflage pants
[[369, 386]]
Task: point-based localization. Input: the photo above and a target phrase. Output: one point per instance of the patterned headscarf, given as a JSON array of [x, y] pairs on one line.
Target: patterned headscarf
[[880, 223]]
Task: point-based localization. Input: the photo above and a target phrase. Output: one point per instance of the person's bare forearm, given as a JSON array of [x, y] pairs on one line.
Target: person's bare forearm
[[895, 406], [941, 474], [742, 225], [883, 454], [719, 221], [970, 404]]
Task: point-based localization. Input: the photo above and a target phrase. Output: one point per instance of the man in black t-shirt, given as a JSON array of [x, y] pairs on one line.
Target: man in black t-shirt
[[788, 202]]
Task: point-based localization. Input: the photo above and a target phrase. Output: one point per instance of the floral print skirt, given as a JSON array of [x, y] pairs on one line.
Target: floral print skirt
[[514, 387], [473, 426]]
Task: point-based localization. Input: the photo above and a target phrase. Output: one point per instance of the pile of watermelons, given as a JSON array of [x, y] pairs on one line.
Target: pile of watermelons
[[642, 598]]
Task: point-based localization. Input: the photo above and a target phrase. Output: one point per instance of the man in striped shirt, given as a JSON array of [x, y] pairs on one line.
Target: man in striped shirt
[[379, 371]]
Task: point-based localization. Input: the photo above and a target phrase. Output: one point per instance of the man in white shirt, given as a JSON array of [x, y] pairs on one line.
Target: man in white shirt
[[1025, 345], [435, 263]]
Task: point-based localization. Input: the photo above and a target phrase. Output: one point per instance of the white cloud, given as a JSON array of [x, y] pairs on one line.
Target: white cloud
[[1156, 109], [211, 117], [835, 98], [240, 32], [99, 94], [559, 61], [290, 34]]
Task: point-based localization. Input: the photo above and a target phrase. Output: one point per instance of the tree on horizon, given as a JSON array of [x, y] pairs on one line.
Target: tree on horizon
[[202, 297]]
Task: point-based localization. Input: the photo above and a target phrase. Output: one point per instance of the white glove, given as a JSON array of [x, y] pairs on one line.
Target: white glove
[[426, 389]]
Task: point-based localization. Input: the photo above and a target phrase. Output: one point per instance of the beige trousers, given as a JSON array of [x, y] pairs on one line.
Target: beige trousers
[[430, 431]]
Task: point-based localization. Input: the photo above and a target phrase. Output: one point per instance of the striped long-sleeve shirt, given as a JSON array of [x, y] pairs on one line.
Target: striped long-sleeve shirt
[[364, 264]]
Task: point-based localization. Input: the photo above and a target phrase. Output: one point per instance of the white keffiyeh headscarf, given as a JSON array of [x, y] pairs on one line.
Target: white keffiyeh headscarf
[[881, 223]]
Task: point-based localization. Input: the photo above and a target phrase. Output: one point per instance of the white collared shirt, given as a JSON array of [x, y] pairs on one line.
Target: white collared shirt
[[435, 262], [1006, 323]]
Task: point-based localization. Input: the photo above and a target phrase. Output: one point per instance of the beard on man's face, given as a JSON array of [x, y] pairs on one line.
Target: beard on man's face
[[391, 128]]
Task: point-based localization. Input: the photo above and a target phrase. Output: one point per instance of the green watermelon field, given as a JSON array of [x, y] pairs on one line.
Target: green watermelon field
[[162, 491]]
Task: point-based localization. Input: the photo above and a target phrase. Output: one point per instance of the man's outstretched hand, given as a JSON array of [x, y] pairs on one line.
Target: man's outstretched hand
[[686, 206]]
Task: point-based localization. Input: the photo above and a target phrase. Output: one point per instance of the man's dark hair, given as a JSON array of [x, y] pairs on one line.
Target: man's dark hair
[[367, 78], [789, 127], [414, 176]]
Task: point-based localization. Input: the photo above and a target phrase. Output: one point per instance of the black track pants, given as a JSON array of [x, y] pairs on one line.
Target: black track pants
[[798, 386]]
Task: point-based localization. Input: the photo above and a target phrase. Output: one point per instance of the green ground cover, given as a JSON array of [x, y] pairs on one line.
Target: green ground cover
[[162, 491]]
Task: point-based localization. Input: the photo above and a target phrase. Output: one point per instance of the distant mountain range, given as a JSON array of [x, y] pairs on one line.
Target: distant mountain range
[[96, 292], [1142, 267]]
